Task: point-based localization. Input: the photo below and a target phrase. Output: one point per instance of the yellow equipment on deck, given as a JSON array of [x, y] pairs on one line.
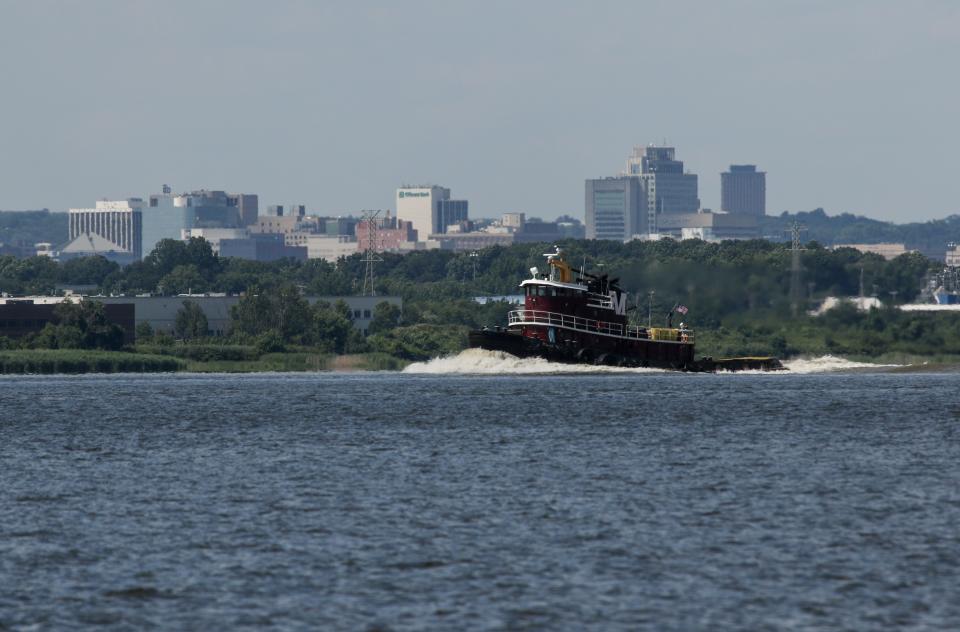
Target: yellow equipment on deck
[[664, 333]]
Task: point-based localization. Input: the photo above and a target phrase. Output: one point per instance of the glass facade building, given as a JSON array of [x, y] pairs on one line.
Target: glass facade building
[[615, 208]]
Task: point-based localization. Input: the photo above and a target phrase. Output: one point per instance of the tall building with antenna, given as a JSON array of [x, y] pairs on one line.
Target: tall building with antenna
[[667, 187]]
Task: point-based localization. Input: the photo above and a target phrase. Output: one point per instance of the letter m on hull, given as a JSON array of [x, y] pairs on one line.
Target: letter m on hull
[[619, 304]]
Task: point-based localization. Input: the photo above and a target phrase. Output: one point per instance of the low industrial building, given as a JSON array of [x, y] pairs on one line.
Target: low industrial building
[[214, 236], [160, 312], [887, 251], [29, 315], [261, 247], [25, 315], [472, 241], [330, 247], [708, 226]]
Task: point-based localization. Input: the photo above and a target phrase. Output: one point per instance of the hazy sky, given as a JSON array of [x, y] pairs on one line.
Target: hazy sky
[[848, 105]]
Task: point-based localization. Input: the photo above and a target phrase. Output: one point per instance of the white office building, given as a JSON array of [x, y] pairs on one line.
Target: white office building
[[118, 222], [430, 209]]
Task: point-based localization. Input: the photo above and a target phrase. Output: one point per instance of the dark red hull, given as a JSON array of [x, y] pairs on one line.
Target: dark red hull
[[586, 348], [627, 354]]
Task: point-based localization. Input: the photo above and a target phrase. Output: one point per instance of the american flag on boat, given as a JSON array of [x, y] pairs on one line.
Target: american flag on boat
[[682, 309]]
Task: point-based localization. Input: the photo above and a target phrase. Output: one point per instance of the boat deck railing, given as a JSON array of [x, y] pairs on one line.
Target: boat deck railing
[[589, 325]]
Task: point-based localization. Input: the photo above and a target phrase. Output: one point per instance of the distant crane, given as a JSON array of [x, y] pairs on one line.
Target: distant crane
[[795, 269], [370, 252]]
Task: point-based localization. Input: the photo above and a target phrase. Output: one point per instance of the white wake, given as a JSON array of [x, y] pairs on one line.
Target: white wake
[[829, 363], [484, 362]]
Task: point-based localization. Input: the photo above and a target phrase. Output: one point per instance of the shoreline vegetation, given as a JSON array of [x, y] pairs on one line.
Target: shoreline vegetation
[[74, 361], [741, 295], [246, 359]]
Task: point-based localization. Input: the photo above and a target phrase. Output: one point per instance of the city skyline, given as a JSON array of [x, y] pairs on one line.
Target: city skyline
[[336, 107]]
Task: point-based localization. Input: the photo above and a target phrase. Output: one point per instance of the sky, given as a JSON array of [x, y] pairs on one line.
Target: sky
[[847, 105]]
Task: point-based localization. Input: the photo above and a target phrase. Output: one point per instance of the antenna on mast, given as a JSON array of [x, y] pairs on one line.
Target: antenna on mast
[[371, 248]]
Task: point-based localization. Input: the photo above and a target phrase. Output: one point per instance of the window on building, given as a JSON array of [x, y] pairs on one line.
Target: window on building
[[366, 313]]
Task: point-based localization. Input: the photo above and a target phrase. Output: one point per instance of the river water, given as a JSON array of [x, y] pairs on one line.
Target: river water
[[827, 498]]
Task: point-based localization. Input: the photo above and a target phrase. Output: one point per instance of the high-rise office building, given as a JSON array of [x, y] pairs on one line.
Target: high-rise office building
[[430, 209], [168, 214], [451, 212], [166, 217], [248, 207], [666, 187], [119, 222], [615, 208], [743, 190]]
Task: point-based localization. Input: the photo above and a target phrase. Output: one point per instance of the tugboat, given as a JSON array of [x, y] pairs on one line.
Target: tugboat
[[584, 321]]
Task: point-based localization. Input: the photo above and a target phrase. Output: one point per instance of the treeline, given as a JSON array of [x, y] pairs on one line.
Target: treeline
[[738, 293], [930, 237], [32, 227], [265, 320], [716, 281]]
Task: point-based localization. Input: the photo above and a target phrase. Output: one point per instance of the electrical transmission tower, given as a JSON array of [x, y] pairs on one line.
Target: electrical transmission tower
[[370, 252], [795, 248], [473, 257]]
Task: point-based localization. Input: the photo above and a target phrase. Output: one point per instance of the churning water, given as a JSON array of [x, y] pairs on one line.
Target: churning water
[[637, 500]]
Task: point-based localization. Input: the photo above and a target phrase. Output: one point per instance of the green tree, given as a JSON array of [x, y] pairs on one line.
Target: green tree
[[386, 316], [143, 331], [291, 312], [82, 325], [190, 322], [170, 253], [87, 270], [252, 316], [281, 308], [331, 326], [269, 341], [183, 279]]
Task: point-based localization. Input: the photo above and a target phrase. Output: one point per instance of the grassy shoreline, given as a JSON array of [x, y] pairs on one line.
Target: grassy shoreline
[[186, 359], [76, 361]]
